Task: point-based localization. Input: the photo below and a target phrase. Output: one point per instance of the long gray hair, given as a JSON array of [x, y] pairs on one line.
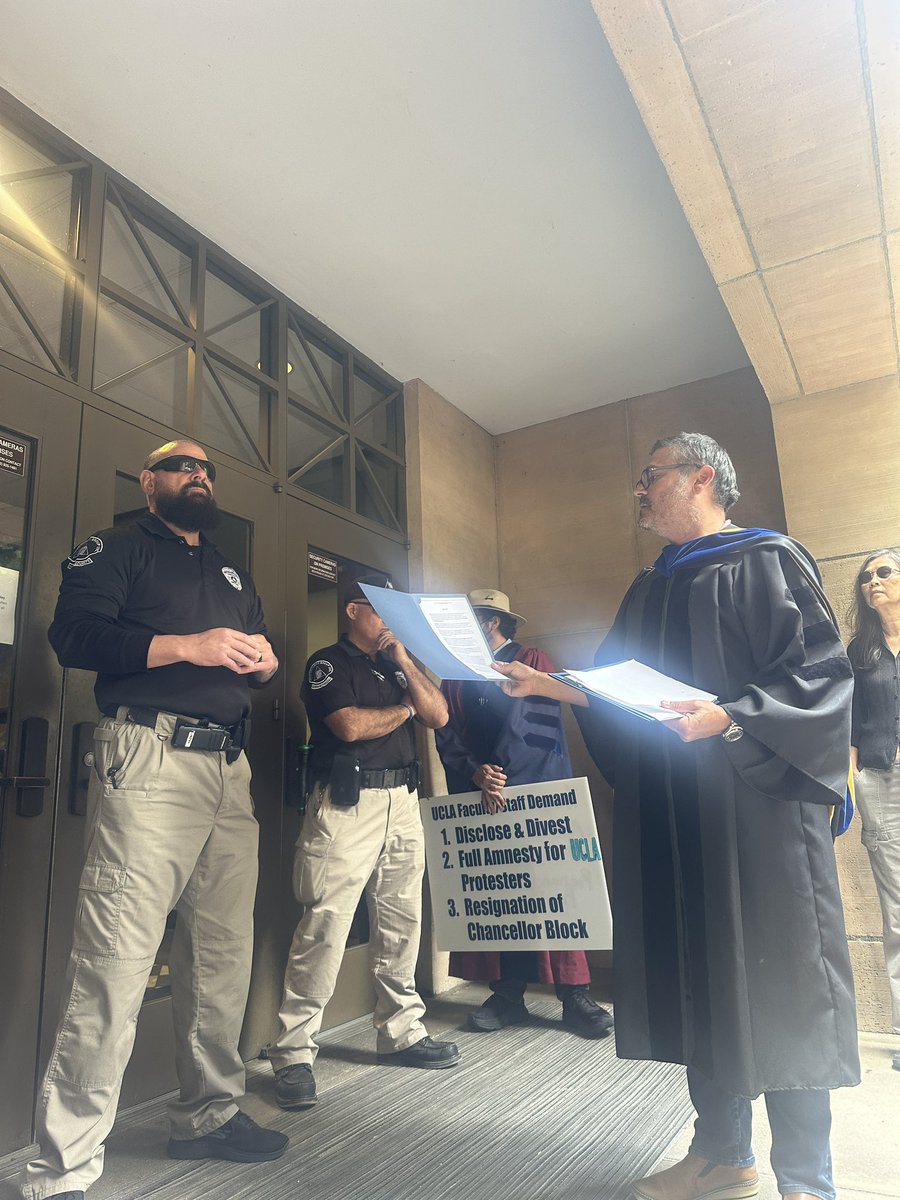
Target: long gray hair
[[865, 623]]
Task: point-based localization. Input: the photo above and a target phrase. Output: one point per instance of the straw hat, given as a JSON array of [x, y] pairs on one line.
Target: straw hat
[[494, 600]]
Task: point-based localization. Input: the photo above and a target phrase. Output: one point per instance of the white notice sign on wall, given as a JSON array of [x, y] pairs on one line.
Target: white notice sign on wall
[[528, 878]]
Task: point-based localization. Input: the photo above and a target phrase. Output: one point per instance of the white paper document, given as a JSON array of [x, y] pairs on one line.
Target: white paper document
[[635, 687], [9, 588], [441, 631]]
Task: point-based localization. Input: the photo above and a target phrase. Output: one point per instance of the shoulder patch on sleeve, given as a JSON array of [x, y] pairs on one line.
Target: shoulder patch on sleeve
[[321, 673], [84, 555]]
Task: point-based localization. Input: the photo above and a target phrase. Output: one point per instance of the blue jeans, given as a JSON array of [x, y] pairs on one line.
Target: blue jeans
[[800, 1122]]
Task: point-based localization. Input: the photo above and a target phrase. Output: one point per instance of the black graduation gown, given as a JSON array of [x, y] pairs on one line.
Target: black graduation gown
[[730, 950]]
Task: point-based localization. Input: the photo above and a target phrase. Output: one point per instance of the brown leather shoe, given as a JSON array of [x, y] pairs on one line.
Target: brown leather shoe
[[696, 1179]]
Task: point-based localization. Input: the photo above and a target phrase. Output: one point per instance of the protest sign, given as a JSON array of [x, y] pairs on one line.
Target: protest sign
[[527, 878]]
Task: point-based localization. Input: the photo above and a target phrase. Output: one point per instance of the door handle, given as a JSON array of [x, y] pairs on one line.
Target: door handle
[[296, 782], [82, 762], [29, 784]]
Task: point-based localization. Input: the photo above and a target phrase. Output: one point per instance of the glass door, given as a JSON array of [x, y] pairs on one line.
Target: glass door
[[112, 452], [38, 430]]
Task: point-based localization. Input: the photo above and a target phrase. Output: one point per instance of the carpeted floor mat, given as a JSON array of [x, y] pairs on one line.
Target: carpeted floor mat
[[532, 1111]]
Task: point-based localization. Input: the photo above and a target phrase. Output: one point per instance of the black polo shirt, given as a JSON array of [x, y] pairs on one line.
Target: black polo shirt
[[123, 586], [342, 676]]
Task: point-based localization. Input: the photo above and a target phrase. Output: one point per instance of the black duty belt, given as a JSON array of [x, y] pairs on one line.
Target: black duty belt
[[385, 777]]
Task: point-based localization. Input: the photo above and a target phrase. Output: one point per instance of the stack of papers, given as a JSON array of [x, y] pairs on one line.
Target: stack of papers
[[634, 687]]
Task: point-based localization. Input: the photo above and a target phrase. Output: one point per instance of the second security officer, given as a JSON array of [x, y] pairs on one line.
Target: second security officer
[[362, 833]]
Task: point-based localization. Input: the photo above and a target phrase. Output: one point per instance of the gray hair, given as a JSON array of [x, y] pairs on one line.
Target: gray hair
[[703, 450]]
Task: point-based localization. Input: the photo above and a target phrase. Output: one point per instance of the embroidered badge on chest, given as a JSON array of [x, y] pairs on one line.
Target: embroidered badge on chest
[[401, 679], [233, 578], [84, 555], [321, 674]]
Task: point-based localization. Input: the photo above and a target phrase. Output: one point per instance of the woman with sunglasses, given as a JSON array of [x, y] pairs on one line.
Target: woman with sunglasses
[[875, 742]]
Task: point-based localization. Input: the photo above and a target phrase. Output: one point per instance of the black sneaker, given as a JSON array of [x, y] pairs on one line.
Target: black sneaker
[[238, 1140], [583, 1015], [295, 1086], [497, 1012], [431, 1055]]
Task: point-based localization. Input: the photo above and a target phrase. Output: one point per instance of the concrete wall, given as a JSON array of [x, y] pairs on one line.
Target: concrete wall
[[452, 515], [842, 497]]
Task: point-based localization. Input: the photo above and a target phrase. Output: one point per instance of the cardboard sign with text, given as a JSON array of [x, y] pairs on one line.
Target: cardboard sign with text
[[527, 878]]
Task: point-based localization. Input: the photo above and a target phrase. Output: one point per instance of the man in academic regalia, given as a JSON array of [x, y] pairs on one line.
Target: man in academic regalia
[[730, 950], [490, 742]]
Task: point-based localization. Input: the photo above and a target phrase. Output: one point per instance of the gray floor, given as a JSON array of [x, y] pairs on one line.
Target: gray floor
[[530, 1113], [533, 1112]]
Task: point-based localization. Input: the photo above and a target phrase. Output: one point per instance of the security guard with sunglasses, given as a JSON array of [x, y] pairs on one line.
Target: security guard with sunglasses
[[176, 634]]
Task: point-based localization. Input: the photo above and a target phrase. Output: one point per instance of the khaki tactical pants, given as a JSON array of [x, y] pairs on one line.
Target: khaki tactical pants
[[376, 847], [168, 829]]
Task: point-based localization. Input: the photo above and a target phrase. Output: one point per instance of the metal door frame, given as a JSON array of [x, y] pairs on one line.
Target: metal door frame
[[32, 410]]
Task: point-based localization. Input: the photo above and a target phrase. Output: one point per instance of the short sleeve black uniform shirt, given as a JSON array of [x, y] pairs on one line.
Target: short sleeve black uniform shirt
[[342, 676], [125, 585]]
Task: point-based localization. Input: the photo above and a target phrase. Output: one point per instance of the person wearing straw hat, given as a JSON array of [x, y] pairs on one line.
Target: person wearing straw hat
[[492, 741]]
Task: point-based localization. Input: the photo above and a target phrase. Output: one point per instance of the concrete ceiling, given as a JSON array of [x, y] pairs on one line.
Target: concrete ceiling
[[463, 189]]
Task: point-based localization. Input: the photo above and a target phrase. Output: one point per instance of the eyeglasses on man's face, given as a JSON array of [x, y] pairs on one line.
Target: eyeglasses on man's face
[[648, 475], [882, 573], [185, 465]]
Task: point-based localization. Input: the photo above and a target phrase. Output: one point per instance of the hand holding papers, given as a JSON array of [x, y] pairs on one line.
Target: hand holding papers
[[634, 687], [441, 631]]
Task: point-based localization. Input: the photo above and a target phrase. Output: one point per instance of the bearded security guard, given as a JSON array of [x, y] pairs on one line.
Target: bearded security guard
[[362, 833], [176, 635]]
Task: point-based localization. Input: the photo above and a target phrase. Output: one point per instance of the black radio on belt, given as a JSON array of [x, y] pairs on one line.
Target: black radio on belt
[[188, 736]]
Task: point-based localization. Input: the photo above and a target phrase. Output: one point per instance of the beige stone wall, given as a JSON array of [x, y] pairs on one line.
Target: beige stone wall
[[450, 495], [569, 545], [842, 496], [452, 517]]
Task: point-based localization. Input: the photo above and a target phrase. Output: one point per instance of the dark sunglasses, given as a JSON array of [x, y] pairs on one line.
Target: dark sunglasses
[[881, 572], [185, 466]]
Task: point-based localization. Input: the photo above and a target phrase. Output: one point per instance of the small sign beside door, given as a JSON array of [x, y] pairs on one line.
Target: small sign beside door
[[12, 456], [322, 567], [9, 587]]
